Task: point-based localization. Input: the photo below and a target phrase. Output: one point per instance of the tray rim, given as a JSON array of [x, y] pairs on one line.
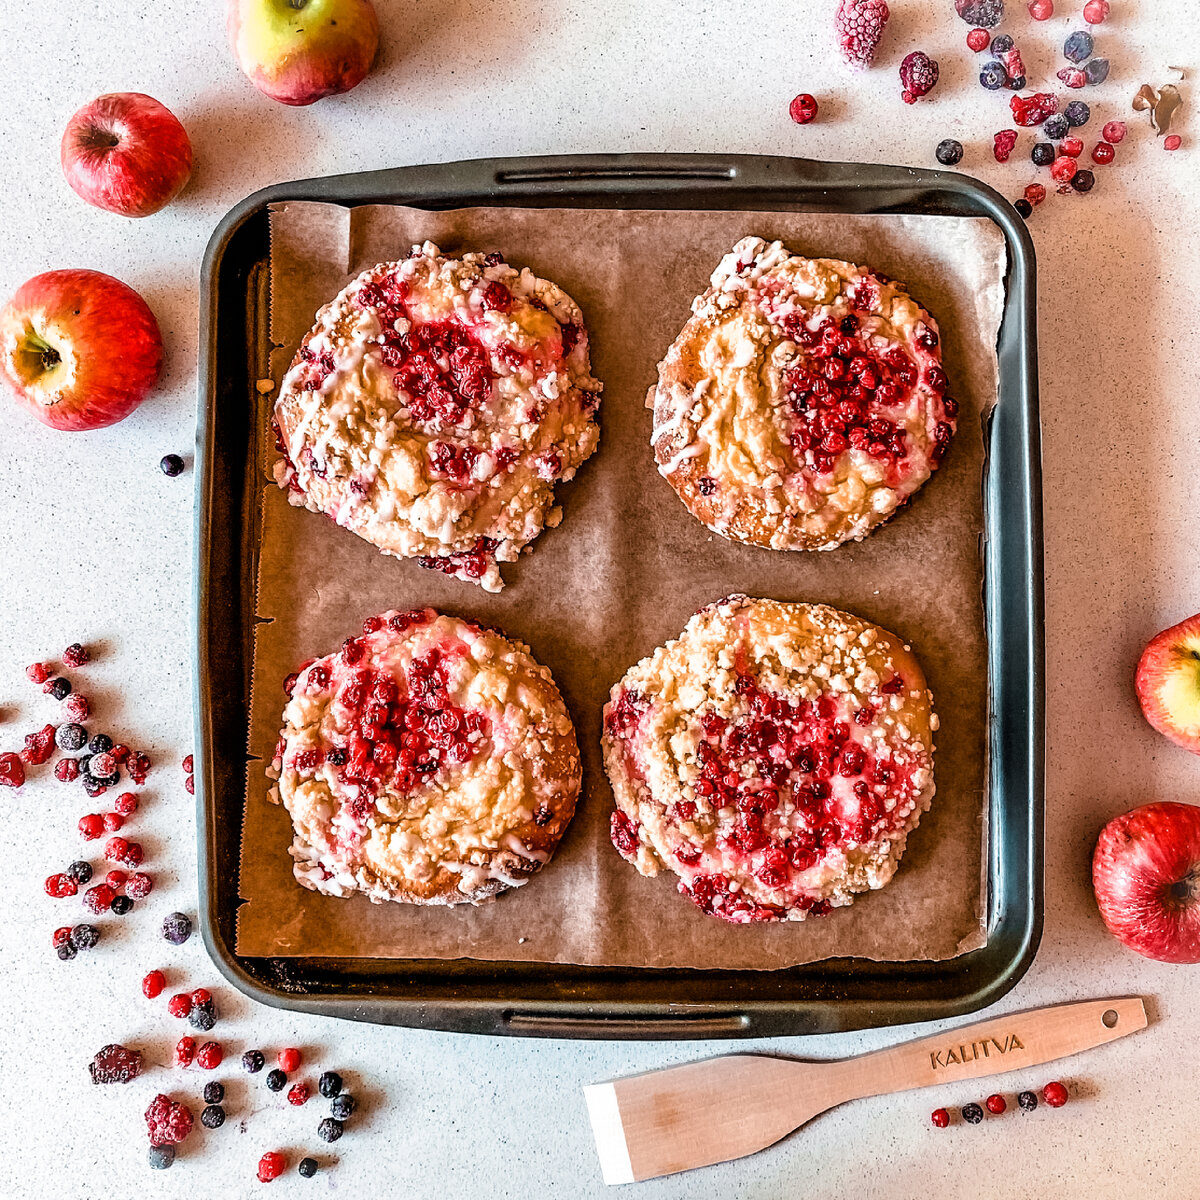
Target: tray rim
[[622, 179]]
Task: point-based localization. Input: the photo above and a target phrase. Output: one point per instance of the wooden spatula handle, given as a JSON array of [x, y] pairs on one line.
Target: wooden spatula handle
[[991, 1047]]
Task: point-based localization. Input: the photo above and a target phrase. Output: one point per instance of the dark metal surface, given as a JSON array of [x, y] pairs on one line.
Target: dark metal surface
[[555, 1000]]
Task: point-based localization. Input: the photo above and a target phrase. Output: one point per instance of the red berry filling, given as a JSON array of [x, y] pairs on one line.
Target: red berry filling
[[471, 563]]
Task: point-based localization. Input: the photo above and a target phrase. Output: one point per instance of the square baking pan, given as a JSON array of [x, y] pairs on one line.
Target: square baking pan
[[562, 1000]]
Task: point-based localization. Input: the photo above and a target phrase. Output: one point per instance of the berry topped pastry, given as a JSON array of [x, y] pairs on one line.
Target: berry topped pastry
[[433, 407], [775, 757], [803, 402], [429, 761]]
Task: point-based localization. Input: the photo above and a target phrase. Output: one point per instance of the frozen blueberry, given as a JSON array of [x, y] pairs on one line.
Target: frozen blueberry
[[972, 1113], [171, 464], [1023, 206], [66, 951], [330, 1084], [85, 937], [121, 905], [276, 1080], [59, 688], [1083, 181], [1042, 154], [1055, 126], [177, 928], [949, 152], [1027, 1101], [329, 1130], [70, 737], [980, 13], [307, 1167], [214, 1092], [202, 1017], [253, 1062], [161, 1157], [100, 744], [1077, 113], [80, 871], [213, 1117], [1015, 85], [1078, 46], [993, 76], [1001, 43], [1097, 70], [342, 1107]]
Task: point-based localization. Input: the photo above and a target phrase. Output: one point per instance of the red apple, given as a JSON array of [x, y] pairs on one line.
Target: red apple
[[79, 348], [126, 153], [1168, 683], [1146, 875], [297, 51]]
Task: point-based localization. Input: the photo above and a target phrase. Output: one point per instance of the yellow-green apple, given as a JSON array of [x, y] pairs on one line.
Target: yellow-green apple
[[297, 51], [1168, 683], [1146, 875], [79, 348], [126, 153]]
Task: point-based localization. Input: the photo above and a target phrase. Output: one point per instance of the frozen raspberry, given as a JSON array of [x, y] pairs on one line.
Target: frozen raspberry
[[99, 899], [116, 879], [59, 688], [1055, 1094], [1114, 132], [271, 1166], [139, 886], [66, 770], [1041, 10], [153, 984], [298, 1094], [1033, 110], [1095, 12], [1003, 143], [995, 1104], [1169, 143], [39, 746], [209, 1056], [803, 109], [289, 1059], [91, 826], [986, 13], [918, 74], [1063, 169], [115, 1064], [168, 1121], [61, 886], [859, 25], [1073, 77], [62, 936], [1072, 147], [126, 804], [185, 1051], [75, 655], [941, 1118], [180, 1004], [12, 770], [38, 672], [77, 707], [979, 40]]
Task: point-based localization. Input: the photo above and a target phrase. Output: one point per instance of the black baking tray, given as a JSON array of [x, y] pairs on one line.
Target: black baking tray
[[558, 1000]]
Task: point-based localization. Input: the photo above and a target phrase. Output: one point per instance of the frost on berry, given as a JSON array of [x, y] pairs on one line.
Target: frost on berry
[[918, 74], [1003, 143], [984, 13], [115, 1064], [12, 770], [1033, 110], [168, 1121], [859, 25]]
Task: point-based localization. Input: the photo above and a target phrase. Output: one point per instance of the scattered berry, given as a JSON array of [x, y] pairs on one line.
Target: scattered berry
[[59, 688], [985, 13], [116, 879], [202, 996], [859, 25], [187, 765], [995, 1103], [85, 937], [66, 770], [276, 1080], [949, 152], [918, 75], [1096, 71], [993, 76], [38, 672], [91, 826], [330, 1129], [1095, 12], [189, 785], [972, 1114], [61, 886], [1078, 46], [100, 744], [38, 746], [93, 786], [214, 1092], [1073, 77], [179, 1005], [77, 707], [1055, 127], [271, 1166], [1003, 143], [1169, 143], [121, 905], [1083, 181], [126, 804], [177, 928], [80, 871], [202, 1018], [1077, 113], [253, 1062], [99, 899], [153, 984], [210, 1055], [171, 465], [298, 1094], [1063, 169], [75, 655], [1072, 147], [307, 1167], [103, 767], [1042, 154], [1033, 110], [1041, 10], [941, 1118], [115, 1063], [120, 753], [169, 1122], [330, 1084], [62, 936], [1114, 132], [12, 770], [161, 1157], [1027, 1101], [802, 110], [979, 39], [115, 849], [113, 821], [71, 737], [67, 951], [185, 1051], [289, 1059], [342, 1107], [1054, 1094], [213, 1117]]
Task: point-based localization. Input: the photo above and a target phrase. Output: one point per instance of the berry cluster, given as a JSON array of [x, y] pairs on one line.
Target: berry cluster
[[1054, 1094]]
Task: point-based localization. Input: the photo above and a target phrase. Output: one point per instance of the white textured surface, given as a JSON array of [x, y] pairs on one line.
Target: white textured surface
[[95, 545]]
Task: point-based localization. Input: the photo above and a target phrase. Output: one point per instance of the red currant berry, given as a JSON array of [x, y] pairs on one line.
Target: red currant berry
[[185, 1051], [995, 1103], [289, 1059], [941, 1118], [209, 1056], [92, 826], [153, 984], [803, 109], [126, 804], [179, 1005], [271, 1166], [978, 40], [1054, 1094], [298, 1093]]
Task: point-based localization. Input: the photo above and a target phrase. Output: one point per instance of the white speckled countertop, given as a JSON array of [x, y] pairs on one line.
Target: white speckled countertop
[[96, 546]]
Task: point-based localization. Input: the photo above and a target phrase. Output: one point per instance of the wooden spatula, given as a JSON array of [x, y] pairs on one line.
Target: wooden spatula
[[722, 1108]]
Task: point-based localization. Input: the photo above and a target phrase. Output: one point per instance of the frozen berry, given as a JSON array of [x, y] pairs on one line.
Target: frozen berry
[[179, 1005], [1041, 10], [93, 786], [161, 1157], [213, 1117], [85, 937], [62, 936], [177, 928], [59, 688], [171, 465], [126, 804], [209, 1056], [1072, 147], [1055, 127], [1033, 110], [66, 770], [1114, 132], [103, 767], [993, 76], [1003, 143], [71, 737], [185, 1051], [75, 655], [949, 152], [187, 765], [153, 984], [168, 1121], [941, 1118], [972, 1114], [139, 885], [918, 75], [342, 1107], [134, 854], [113, 821], [330, 1084], [289, 1059], [1095, 11], [115, 1063], [214, 1092], [121, 905], [985, 13], [1173, 142], [307, 1167], [1042, 154], [116, 848], [77, 707], [202, 1018], [189, 785], [1072, 77], [116, 879], [271, 1166], [100, 744], [995, 1103], [1054, 1094], [98, 899], [1077, 113], [298, 1094], [38, 672], [91, 826], [1083, 181], [120, 753], [39, 746], [330, 1129], [276, 1080], [80, 871], [979, 40], [859, 25], [1027, 1101], [1096, 71], [12, 770], [66, 951], [253, 1062], [1063, 169], [61, 886], [1001, 44], [803, 109], [1078, 46]]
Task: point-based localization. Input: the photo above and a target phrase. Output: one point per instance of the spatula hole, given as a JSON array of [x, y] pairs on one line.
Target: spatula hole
[[1110, 1018]]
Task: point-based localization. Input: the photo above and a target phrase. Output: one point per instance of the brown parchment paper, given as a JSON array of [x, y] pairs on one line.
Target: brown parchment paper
[[623, 572]]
